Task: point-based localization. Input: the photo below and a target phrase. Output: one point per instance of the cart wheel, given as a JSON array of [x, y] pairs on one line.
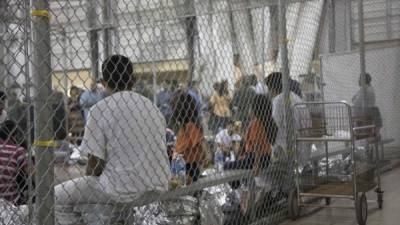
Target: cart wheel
[[361, 209], [294, 208], [380, 199], [327, 201]]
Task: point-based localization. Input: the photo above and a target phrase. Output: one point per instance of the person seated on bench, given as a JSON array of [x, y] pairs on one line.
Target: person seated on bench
[[13, 164], [190, 138], [125, 143], [259, 138]]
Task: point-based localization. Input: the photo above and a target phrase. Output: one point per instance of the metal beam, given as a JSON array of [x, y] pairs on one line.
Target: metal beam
[[191, 35], [93, 39], [106, 28]]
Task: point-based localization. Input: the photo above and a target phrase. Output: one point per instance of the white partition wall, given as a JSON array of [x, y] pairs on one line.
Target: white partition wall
[[307, 32], [341, 73]]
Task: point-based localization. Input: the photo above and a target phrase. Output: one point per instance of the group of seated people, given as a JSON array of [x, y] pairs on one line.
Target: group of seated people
[[125, 142]]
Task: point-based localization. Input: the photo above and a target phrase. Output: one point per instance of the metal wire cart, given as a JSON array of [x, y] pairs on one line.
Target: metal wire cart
[[343, 160]]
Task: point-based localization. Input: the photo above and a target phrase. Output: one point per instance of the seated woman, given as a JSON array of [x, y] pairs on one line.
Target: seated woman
[[13, 164], [259, 138], [190, 138], [228, 137]]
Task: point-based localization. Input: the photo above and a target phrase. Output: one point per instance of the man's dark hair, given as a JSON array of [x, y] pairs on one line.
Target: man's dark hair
[[74, 88], [295, 87], [118, 73], [368, 78], [274, 81]]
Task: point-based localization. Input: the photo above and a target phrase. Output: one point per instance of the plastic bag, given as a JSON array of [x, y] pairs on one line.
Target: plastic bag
[[10, 214], [152, 214], [210, 210]]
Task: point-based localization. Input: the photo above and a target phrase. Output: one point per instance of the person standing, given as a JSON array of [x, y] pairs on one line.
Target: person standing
[[220, 102], [125, 143], [241, 99], [301, 118], [163, 100], [90, 97], [194, 92]]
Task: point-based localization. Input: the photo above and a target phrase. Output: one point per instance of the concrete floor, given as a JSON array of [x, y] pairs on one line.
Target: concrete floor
[[390, 215]]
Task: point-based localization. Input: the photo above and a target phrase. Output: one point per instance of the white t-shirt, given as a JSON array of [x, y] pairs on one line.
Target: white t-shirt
[[302, 119], [369, 97], [225, 139], [261, 88], [127, 131]]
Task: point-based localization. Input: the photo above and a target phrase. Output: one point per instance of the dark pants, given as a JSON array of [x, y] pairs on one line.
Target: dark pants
[[246, 163], [193, 170], [217, 122]]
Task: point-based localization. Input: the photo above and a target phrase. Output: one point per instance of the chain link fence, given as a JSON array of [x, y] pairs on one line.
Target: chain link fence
[[179, 111]]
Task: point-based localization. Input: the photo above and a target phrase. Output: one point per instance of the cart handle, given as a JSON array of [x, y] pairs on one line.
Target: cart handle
[[364, 128]]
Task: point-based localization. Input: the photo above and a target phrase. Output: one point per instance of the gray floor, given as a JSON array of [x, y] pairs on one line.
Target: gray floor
[[390, 215]]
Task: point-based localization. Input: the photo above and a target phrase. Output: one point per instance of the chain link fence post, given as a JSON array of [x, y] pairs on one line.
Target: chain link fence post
[[3, 14], [191, 34], [361, 35], [285, 73], [42, 72]]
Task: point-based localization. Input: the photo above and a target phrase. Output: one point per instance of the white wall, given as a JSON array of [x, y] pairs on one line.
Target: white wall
[[341, 73]]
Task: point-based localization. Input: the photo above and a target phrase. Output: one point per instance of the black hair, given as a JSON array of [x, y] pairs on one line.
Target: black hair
[[118, 73], [368, 78], [274, 81], [216, 86], [253, 79], [294, 87], [262, 109], [9, 131], [74, 88], [184, 108], [3, 96]]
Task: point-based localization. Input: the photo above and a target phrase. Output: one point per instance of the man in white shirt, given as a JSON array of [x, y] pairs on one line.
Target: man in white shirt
[[125, 143], [301, 117], [369, 94]]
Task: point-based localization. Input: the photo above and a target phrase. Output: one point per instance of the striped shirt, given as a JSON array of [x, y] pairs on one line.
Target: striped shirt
[[12, 160]]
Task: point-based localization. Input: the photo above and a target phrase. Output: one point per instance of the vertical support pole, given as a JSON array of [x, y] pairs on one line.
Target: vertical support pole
[[42, 73], [93, 39], [65, 72], [3, 14], [154, 80], [263, 56], [274, 32], [191, 33], [361, 43], [27, 30], [106, 29], [285, 79], [332, 34]]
